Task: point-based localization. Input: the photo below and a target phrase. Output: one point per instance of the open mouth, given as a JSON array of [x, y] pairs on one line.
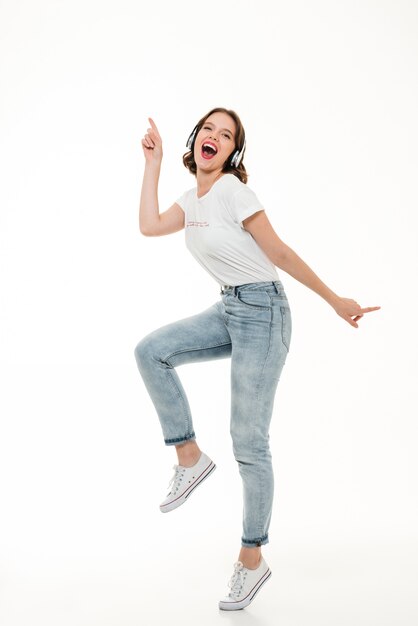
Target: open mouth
[[208, 150]]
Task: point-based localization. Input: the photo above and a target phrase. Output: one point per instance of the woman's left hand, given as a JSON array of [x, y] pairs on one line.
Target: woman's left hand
[[348, 309]]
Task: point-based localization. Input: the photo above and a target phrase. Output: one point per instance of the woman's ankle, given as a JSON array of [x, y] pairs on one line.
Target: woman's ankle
[[188, 453], [250, 557]]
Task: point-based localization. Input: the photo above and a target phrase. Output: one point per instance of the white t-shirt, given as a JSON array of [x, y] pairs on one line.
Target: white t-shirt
[[215, 235]]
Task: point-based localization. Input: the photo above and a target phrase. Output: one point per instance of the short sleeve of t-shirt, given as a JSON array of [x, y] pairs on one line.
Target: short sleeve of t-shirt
[[181, 200], [244, 203]]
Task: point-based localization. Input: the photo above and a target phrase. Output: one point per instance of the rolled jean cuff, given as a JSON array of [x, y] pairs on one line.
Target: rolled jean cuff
[[253, 543], [177, 440]]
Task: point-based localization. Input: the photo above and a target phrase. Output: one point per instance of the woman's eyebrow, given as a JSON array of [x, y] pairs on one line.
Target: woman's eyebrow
[[229, 131]]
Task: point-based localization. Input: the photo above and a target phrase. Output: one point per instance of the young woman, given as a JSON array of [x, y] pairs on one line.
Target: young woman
[[229, 234]]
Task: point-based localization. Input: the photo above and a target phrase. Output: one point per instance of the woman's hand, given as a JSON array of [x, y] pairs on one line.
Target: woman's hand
[[347, 309], [152, 144]]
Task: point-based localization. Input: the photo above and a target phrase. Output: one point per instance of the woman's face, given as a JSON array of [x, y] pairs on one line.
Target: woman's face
[[215, 142]]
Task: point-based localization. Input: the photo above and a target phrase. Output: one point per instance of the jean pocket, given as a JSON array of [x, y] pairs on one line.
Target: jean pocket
[[286, 326], [254, 299]]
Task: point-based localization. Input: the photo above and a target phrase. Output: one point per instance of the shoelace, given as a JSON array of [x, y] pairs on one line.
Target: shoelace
[[176, 478], [237, 579]]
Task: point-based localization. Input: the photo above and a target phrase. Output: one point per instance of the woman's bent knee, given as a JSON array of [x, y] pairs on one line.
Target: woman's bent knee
[[142, 351]]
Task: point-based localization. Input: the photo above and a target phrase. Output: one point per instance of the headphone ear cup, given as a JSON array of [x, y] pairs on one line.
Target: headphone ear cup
[[234, 158], [191, 138], [237, 156]]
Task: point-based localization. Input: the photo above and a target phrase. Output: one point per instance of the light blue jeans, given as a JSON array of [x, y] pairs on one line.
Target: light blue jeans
[[252, 324]]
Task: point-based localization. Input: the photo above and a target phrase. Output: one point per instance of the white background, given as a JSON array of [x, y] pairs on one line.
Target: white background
[[328, 94]]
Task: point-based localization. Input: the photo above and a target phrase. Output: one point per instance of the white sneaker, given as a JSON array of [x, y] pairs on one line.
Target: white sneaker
[[185, 480], [245, 584]]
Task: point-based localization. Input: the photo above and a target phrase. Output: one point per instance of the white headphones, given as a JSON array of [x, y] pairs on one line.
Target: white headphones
[[235, 158]]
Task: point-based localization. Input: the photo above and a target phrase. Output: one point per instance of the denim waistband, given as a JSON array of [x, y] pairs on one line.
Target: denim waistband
[[277, 284]]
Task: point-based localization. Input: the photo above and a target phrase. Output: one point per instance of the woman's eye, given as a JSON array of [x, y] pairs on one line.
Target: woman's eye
[[224, 134]]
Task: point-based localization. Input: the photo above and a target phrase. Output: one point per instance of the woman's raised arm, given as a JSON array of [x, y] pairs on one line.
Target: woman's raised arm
[[151, 222], [149, 213]]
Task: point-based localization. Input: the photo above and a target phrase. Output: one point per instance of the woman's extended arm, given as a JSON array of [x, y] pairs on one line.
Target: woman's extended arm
[[286, 259], [149, 211], [152, 223], [148, 207]]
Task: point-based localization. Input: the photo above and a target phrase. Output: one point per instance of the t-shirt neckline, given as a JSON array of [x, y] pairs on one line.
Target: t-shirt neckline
[[209, 190]]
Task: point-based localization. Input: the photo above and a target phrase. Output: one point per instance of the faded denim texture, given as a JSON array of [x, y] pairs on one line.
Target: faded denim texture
[[252, 325]]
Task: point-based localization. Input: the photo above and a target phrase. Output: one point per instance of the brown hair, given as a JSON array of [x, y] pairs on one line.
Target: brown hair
[[238, 171]]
